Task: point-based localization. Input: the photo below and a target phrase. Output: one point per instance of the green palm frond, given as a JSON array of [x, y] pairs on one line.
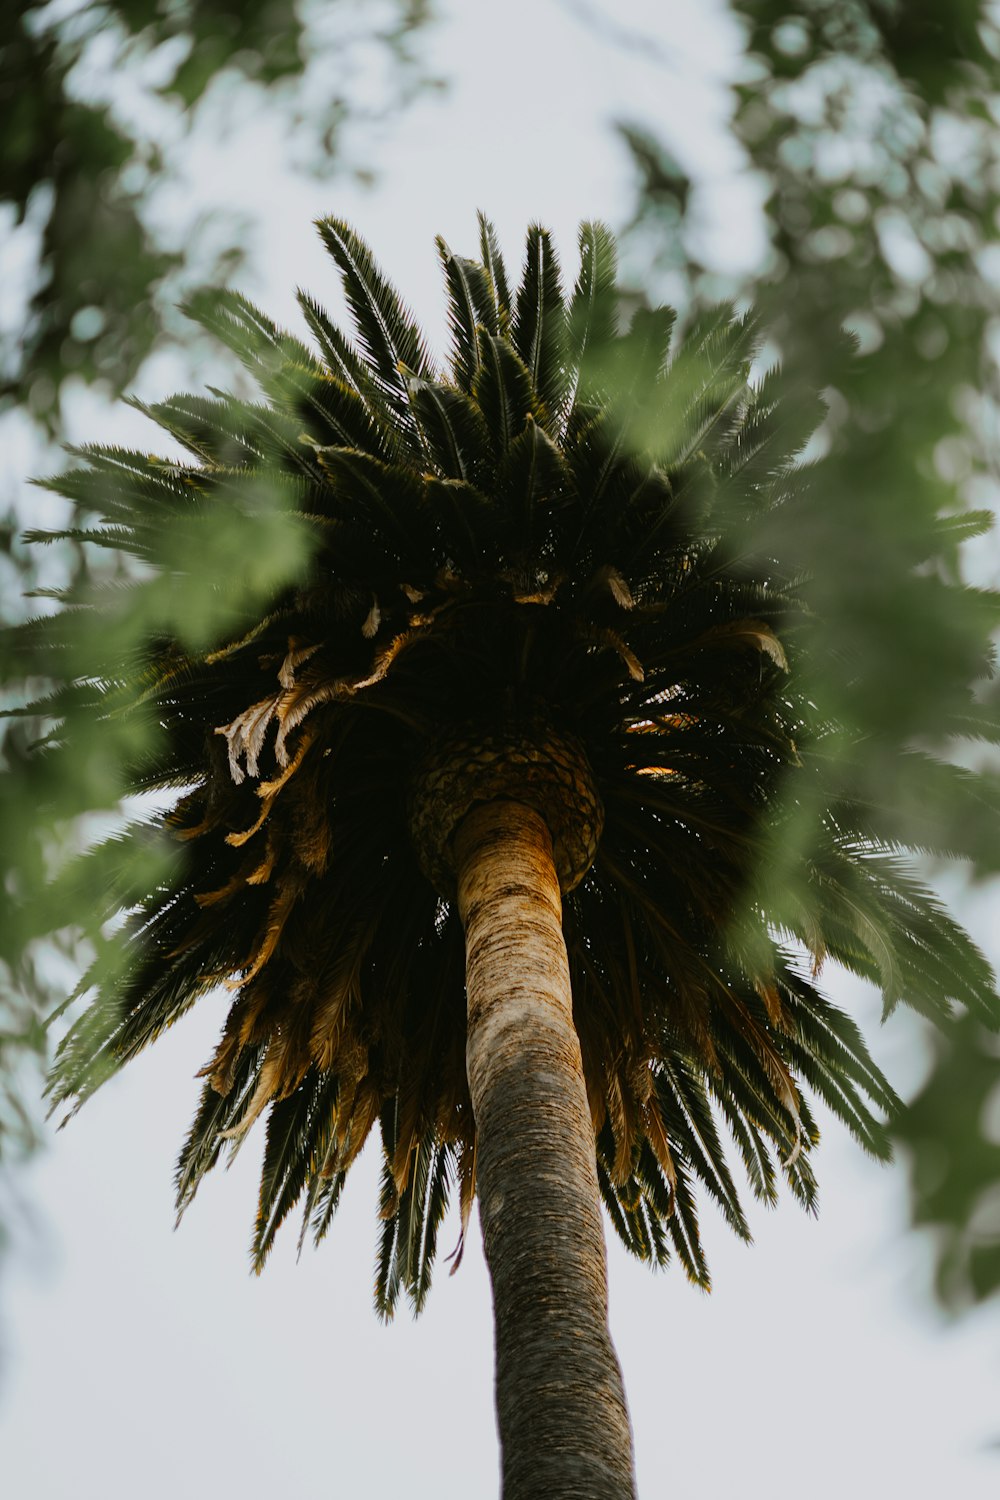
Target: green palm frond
[[496, 275], [454, 433], [592, 315], [260, 345], [408, 1242], [386, 330], [472, 305], [539, 328], [533, 474], [341, 358], [688, 1119], [504, 393]]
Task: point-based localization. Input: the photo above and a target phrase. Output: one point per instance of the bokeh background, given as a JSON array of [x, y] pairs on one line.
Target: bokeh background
[[837, 162]]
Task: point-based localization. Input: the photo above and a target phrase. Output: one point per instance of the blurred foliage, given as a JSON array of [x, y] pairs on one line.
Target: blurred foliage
[[53, 806], [870, 130], [89, 92], [952, 1134], [92, 96]]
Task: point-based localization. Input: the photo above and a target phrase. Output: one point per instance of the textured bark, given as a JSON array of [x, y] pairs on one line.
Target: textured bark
[[564, 1426], [528, 762]]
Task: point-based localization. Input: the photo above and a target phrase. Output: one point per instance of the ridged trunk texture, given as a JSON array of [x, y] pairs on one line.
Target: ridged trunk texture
[[564, 1425]]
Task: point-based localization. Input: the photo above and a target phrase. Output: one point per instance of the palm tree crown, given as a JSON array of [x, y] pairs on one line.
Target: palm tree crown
[[538, 562]]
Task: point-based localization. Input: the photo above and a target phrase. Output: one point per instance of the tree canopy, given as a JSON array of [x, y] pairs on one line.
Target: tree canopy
[[569, 526], [871, 130]]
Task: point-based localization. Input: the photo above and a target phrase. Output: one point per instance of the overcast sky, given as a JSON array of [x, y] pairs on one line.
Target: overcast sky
[[143, 1361]]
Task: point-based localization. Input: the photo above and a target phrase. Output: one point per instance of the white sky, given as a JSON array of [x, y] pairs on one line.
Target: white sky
[[139, 1360]]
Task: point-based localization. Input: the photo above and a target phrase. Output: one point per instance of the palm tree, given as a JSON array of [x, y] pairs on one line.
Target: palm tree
[[478, 820]]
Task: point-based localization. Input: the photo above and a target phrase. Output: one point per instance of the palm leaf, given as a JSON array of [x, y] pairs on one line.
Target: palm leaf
[[456, 438], [533, 473], [539, 328], [592, 316], [504, 393], [471, 306], [258, 343], [386, 330], [496, 274]]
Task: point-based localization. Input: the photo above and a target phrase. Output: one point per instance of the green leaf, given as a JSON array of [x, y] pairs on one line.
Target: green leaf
[[455, 435], [533, 473], [386, 330], [593, 318], [471, 305], [504, 392], [539, 331], [497, 274]]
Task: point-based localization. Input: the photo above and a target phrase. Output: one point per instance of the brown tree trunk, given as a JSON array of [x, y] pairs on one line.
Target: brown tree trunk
[[564, 1425]]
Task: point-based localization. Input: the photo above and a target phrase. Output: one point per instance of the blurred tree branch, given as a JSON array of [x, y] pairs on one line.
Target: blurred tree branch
[[869, 130], [951, 1132], [94, 94], [78, 170]]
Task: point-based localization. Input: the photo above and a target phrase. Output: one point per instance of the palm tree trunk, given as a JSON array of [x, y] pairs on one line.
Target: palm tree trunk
[[564, 1425]]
